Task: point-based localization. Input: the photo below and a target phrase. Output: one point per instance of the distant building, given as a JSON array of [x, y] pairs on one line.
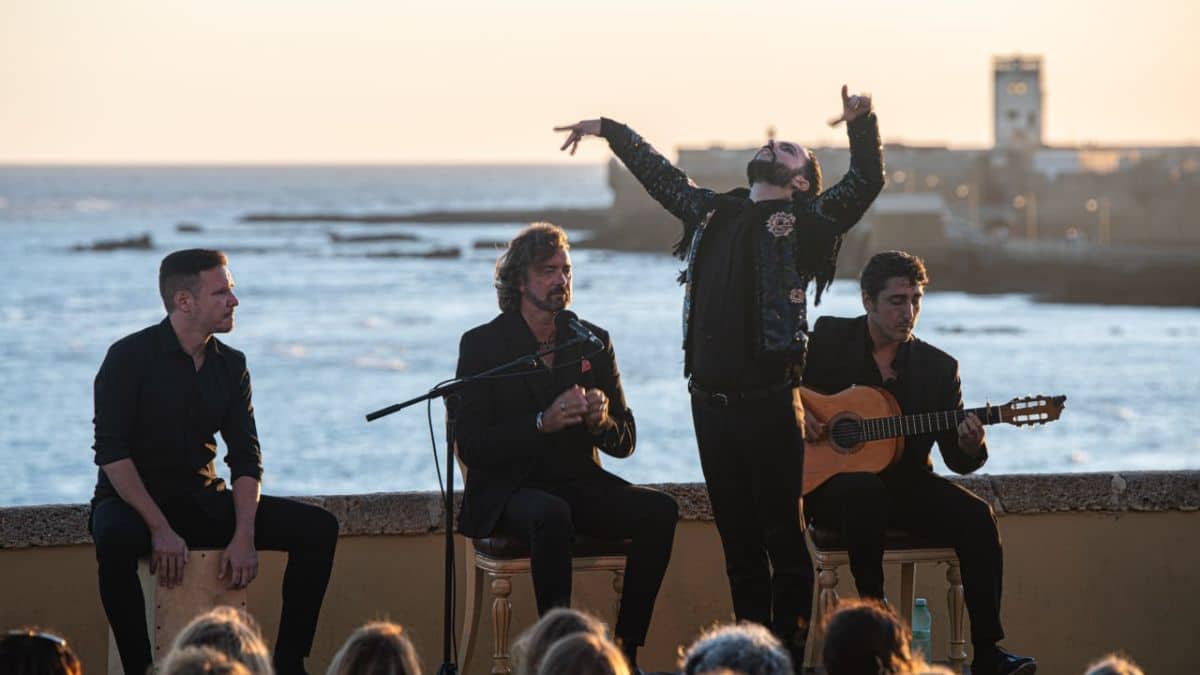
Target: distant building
[[1019, 102], [1018, 188]]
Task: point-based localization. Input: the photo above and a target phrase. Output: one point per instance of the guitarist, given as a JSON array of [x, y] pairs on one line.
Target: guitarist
[[879, 349]]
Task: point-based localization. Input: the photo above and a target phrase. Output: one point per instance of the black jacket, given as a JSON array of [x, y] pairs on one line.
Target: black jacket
[[929, 383], [794, 246], [493, 421]]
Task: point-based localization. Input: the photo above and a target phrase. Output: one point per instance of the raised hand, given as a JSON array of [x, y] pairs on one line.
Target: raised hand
[[853, 107], [578, 131]]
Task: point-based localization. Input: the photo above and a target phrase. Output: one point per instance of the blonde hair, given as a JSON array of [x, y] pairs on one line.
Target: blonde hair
[[376, 648], [584, 654], [1114, 664], [201, 661], [231, 632], [531, 646]]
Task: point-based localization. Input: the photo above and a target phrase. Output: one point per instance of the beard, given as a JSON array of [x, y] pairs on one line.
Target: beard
[[770, 172], [552, 302]]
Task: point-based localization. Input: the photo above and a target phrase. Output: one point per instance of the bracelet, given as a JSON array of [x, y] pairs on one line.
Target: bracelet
[[537, 421]]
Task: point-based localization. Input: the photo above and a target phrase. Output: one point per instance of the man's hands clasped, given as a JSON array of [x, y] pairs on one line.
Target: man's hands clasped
[[577, 406]]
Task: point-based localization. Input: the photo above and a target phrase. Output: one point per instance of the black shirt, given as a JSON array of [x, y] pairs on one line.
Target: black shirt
[[724, 316], [153, 406], [870, 374]]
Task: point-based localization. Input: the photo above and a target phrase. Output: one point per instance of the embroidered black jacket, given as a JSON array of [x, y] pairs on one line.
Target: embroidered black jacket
[[794, 246]]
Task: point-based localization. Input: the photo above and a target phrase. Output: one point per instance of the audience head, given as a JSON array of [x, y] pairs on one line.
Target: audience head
[[30, 651], [231, 632], [532, 645], [377, 648], [865, 638], [584, 654], [1114, 664], [201, 661], [744, 649]]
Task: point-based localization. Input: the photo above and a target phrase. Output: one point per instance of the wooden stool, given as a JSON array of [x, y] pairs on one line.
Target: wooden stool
[[500, 558], [168, 610], [828, 550]]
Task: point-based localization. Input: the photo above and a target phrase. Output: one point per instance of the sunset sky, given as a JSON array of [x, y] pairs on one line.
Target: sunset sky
[[178, 81]]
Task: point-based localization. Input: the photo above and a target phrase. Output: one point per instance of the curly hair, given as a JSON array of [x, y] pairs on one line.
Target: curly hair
[[741, 648], [532, 245]]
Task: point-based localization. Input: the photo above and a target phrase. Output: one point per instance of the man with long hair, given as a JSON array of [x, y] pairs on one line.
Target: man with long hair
[[751, 254], [529, 440]]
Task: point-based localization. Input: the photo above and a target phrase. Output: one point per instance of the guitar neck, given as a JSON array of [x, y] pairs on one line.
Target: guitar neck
[[878, 428]]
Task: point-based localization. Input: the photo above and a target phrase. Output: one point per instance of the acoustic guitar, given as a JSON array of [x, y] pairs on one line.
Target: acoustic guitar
[[865, 429]]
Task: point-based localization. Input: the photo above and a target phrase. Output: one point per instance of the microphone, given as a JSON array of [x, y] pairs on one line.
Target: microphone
[[583, 332]]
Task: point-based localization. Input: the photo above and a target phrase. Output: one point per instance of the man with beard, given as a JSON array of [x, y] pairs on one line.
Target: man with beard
[[161, 396], [529, 440], [750, 255], [879, 350]]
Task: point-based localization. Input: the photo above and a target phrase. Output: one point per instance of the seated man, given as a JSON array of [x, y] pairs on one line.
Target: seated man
[[879, 349], [160, 396], [529, 441]]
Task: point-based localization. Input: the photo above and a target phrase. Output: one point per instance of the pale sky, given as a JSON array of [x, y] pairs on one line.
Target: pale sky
[[484, 81]]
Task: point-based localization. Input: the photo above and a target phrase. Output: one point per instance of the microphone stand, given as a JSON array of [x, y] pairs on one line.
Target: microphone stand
[[449, 667]]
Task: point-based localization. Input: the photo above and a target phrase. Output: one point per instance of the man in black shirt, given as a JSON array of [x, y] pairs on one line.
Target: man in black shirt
[[750, 255], [879, 349], [530, 440], [160, 396]]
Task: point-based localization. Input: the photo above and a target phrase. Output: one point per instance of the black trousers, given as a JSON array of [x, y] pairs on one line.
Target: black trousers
[[862, 505], [752, 455], [548, 515], [307, 533]]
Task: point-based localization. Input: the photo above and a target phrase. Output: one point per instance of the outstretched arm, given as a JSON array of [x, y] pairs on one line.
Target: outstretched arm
[[663, 181], [843, 205]]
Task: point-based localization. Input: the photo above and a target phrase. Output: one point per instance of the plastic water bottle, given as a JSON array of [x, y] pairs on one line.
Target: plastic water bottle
[[922, 627]]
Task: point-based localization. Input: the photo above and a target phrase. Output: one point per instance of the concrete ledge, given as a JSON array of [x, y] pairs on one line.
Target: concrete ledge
[[415, 513]]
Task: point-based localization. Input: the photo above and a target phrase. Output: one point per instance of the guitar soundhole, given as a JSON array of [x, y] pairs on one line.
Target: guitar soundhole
[[845, 434]]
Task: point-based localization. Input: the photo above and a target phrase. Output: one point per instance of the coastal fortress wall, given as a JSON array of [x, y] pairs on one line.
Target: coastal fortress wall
[[1093, 562]]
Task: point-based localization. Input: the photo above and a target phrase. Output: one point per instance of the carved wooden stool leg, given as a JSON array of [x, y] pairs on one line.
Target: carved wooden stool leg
[[827, 580], [618, 584], [501, 618], [908, 593], [956, 600], [473, 602]]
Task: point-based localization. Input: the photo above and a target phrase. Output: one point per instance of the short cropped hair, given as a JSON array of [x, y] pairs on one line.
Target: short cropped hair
[[584, 654], [865, 638], [744, 648], [884, 266], [31, 651], [180, 271], [532, 245], [377, 648], [532, 645], [231, 632]]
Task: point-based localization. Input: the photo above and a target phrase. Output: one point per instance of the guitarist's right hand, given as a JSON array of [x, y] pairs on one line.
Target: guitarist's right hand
[[813, 427]]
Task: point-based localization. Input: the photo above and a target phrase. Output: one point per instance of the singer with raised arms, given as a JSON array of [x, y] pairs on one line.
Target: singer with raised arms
[[529, 440], [751, 254]]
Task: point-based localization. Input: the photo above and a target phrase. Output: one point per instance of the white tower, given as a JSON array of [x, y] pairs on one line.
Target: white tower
[[1017, 92]]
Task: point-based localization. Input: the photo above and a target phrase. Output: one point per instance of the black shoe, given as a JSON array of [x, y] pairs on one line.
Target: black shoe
[[996, 661]]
